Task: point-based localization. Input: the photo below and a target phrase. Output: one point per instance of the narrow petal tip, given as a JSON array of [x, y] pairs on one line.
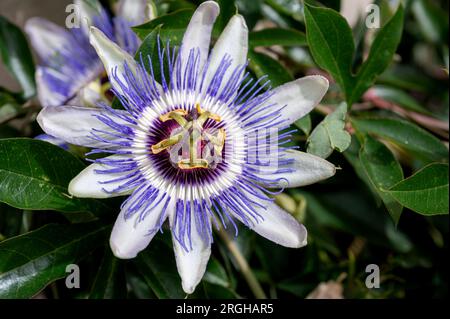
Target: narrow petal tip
[[32, 24], [41, 119], [188, 287], [119, 253], [279, 226], [296, 236], [74, 188], [99, 40], [317, 85], [321, 80], [191, 267], [94, 34], [44, 119], [302, 237], [132, 234], [237, 18], [213, 9], [85, 184], [323, 83]]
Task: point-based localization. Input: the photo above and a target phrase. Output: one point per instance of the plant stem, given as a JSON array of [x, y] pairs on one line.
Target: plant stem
[[246, 271]]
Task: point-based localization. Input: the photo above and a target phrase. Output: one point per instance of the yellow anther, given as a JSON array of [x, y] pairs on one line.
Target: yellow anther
[[193, 126], [191, 164], [198, 108], [166, 143], [204, 115], [208, 115], [215, 117], [176, 115]]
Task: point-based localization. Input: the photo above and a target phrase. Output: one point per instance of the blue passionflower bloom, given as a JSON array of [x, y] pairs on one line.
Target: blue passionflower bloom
[[192, 149], [70, 69]]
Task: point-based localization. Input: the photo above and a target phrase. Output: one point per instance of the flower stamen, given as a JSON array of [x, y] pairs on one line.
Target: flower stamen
[[193, 131]]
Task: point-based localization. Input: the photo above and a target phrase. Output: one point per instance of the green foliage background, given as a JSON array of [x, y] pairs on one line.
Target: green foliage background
[[384, 123]]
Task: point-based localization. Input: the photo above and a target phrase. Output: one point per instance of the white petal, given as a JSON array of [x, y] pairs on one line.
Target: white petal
[[191, 265], [47, 96], [278, 225], [281, 228], [305, 169], [234, 42], [46, 37], [130, 236], [73, 124], [298, 97], [136, 11], [112, 57], [90, 184], [89, 95], [87, 10], [198, 32]]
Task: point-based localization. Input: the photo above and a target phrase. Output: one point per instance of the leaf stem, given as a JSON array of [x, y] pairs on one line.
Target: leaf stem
[[246, 271]]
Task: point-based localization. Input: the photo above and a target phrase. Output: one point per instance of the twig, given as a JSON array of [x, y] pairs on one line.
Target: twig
[[323, 109], [437, 126], [246, 271]]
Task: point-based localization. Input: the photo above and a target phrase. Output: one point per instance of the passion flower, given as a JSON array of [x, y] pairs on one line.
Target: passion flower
[[198, 149]]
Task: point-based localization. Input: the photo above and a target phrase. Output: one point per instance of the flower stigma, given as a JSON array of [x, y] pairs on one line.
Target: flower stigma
[[191, 129]]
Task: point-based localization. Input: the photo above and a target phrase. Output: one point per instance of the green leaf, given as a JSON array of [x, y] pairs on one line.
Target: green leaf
[[330, 134], [383, 171], [262, 64], [425, 192], [110, 280], [251, 10], [174, 5], [399, 97], [211, 291], [149, 48], [408, 78], [292, 8], [431, 20], [17, 57], [139, 289], [216, 274], [304, 124], [34, 175], [380, 56], [351, 209], [173, 23], [227, 10], [352, 156], [406, 135], [331, 43], [10, 221], [157, 265], [277, 36], [29, 262]]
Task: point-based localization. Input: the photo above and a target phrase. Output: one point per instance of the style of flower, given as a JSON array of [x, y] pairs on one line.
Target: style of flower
[[193, 148], [70, 71]]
